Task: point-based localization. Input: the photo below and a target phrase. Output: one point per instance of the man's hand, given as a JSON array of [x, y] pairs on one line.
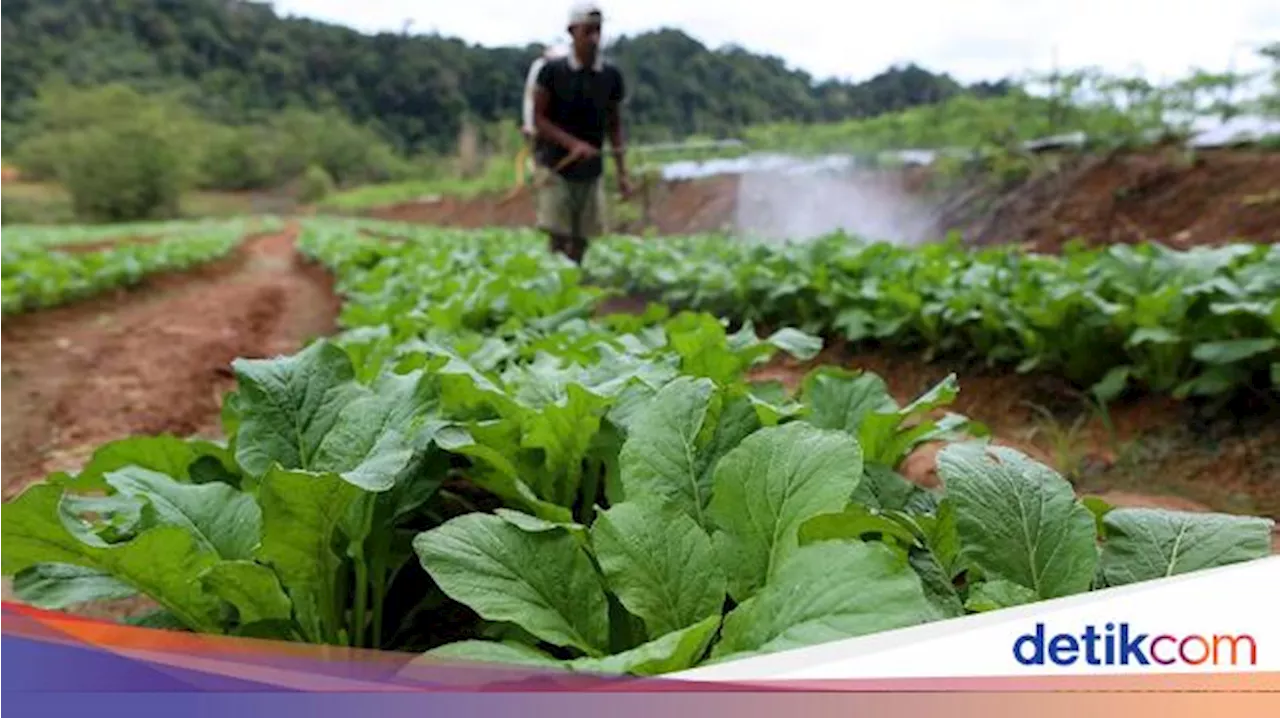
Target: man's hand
[[579, 150], [624, 185]]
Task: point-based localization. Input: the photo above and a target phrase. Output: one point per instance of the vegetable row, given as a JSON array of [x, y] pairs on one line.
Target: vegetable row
[[482, 467], [1202, 322], [36, 275]]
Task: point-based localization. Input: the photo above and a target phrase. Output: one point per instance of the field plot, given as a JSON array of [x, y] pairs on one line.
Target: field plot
[[46, 267], [1133, 367], [487, 463], [150, 359]]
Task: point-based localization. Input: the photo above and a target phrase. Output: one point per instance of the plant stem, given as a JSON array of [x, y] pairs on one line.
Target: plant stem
[[379, 563], [362, 597], [362, 575]]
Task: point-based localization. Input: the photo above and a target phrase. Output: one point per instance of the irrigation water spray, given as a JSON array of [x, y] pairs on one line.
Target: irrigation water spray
[[805, 201]]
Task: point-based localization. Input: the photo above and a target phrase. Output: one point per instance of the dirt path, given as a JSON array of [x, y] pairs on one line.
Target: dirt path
[[676, 207], [151, 360]]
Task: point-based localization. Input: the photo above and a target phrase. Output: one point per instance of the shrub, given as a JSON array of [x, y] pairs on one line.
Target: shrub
[[239, 158], [349, 153], [121, 155], [126, 171], [316, 185]]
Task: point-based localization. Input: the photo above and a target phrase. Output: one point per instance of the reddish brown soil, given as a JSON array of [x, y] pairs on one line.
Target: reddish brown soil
[[1209, 198], [149, 360], [671, 208], [154, 359], [503, 210], [694, 206]]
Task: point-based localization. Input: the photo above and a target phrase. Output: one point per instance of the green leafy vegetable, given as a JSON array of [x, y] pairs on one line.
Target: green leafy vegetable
[[544, 582], [1019, 520], [1146, 544], [660, 563], [774, 481]]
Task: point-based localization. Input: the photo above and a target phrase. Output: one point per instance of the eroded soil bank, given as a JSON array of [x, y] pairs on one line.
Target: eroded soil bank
[[153, 359]]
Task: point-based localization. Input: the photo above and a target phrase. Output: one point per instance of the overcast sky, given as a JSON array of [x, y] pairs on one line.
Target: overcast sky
[[854, 39]]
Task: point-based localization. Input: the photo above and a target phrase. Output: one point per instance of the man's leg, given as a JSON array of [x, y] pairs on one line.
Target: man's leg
[[591, 217], [577, 200], [552, 210]]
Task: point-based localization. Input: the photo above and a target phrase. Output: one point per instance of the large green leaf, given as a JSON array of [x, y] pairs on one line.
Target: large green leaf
[[307, 412], [660, 455], [497, 445], [564, 432], [59, 585], [703, 347], [854, 522], [499, 652], [883, 488], [732, 418], [288, 405], [1233, 350], [823, 592], [660, 563], [997, 594], [1146, 544], [544, 581], [1019, 520], [837, 398], [221, 518], [774, 481], [300, 513], [162, 562], [672, 652], [166, 454], [252, 588], [675, 651]]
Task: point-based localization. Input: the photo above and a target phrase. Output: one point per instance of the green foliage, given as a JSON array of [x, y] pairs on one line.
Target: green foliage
[[122, 156], [416, 88], [316, 184], [125, 172], [38, 275], [602, 494], [240, 158], [348, 152], [1203, 322], [125, 155]]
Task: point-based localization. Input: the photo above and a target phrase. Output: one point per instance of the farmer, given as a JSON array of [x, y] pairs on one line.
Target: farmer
[[577, 100]]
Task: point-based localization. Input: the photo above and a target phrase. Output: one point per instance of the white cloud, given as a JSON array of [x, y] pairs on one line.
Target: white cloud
[[977, 39]]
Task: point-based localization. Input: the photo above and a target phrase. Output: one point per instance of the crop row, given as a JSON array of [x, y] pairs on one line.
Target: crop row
[[480, 467], [26, 236], [1201, 322], [37, 276]]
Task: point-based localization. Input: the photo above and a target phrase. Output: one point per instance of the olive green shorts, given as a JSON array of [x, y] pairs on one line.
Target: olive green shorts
[[569, 208]]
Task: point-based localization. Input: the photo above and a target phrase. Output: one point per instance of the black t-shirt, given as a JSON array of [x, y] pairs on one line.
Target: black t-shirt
[[580, 102]]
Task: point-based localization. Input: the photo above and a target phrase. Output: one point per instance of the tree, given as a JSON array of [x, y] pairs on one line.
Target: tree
[[237, 62]]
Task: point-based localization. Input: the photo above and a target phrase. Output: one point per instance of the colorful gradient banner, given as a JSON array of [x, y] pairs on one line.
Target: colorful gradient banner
[[57, 664]]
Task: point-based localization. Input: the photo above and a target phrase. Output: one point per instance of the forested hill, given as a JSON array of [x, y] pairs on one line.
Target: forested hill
[[237, 60]]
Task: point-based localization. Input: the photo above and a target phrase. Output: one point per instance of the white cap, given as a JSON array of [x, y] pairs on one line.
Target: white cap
[[583, 11]]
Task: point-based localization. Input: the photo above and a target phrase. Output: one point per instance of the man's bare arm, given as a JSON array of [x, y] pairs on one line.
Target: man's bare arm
[[616, 142]]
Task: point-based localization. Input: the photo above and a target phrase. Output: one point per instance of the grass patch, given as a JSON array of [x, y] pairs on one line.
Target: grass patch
[[497, 175], [48, 203]]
